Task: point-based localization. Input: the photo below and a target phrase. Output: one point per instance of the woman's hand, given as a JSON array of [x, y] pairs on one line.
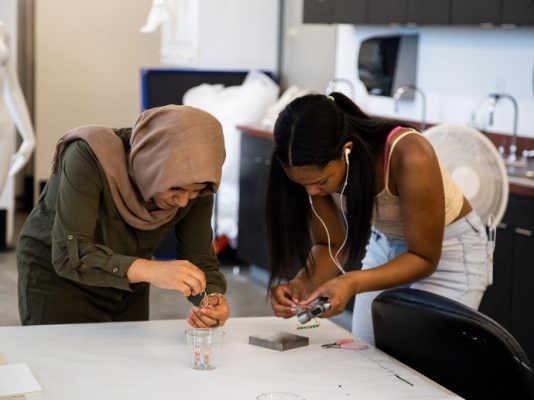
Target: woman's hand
[[212, 315], [180, 275], [286, 296], [338, 290]]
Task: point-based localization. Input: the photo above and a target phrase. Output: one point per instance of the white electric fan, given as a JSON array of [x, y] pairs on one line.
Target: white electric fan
[[476, 166]]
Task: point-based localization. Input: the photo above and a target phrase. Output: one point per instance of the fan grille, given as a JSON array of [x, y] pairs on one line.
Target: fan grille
[[475, 165]]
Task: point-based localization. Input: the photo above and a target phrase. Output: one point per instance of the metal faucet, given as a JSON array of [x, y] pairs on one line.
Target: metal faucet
[[411, 88], [495, 99], [332, 84]]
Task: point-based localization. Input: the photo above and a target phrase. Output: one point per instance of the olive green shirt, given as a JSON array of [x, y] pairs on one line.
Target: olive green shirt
[[76, 223]]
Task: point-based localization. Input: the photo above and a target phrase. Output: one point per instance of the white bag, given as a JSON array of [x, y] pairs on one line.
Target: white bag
[[234, 105]]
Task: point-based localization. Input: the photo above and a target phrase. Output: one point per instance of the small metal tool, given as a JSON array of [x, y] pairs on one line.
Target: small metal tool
[[345, 344], [316, 309]]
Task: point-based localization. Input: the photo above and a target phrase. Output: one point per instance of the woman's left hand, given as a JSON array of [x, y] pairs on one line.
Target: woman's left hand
[[211, 316], [338, 290]]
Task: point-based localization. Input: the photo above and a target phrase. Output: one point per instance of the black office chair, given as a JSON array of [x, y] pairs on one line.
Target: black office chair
[[454, 345]]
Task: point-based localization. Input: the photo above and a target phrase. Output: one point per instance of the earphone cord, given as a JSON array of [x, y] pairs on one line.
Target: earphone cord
[[335, 259]]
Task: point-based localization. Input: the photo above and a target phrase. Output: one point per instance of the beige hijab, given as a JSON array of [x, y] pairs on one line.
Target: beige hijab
[[171, 146]]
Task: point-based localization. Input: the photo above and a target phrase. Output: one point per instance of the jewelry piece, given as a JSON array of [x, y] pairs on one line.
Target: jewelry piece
[[210, 300]]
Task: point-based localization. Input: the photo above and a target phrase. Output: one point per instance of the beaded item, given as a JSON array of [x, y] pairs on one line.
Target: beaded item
[[202, 354], [311, 324]]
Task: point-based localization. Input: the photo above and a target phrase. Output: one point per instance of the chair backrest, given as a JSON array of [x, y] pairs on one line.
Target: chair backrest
[[452, 344]]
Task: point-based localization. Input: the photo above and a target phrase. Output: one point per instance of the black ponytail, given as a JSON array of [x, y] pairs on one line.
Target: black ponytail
[[312, 130]]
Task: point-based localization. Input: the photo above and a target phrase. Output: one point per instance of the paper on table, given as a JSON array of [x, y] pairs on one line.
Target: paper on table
[[16, 379]]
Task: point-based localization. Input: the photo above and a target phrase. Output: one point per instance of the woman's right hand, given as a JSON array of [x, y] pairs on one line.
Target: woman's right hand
[[286, 296], [179, 275]]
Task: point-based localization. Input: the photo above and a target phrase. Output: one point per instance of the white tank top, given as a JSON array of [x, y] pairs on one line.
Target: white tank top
[[387, 214]]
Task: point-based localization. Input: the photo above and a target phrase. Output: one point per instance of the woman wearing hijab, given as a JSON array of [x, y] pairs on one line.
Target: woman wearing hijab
[[84, 253]]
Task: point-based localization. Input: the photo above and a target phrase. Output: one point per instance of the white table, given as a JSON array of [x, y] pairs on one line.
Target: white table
[[147, 360]]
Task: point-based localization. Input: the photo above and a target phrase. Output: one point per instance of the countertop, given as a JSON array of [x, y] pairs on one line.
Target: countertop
[[519, 186]]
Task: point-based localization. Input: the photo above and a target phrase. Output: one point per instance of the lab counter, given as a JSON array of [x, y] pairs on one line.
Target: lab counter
[[148, 360]]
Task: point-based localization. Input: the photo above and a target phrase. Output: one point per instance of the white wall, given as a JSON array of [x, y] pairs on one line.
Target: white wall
[[457, 67], [215, 34], [88, 55], [309, 50], [238, 34]]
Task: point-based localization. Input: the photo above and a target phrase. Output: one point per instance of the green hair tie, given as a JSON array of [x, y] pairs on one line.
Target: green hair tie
[[331, 98]]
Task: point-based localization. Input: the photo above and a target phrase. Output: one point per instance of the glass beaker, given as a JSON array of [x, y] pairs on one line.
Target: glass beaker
[[204, 347]]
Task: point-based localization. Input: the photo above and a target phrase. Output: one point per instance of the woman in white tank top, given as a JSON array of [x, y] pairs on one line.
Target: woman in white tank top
[[424, 232]]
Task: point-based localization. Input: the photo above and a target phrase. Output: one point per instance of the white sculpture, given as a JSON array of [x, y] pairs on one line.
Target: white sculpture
[[13, 112], [179, 21]]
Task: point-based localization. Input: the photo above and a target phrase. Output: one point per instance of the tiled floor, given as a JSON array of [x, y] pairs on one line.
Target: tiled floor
[[8, 289], [246, 295]]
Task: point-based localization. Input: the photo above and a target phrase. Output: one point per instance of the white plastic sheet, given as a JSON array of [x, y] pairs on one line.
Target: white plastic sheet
[[234, 105], [287, 97]]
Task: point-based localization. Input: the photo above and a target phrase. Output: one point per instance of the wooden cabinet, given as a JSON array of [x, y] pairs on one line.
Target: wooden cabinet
[[253, 177], [428, 12], [522, 315], [318, 11], [521, 222], [420, 12], [474, 12], [510, 299], [350, 11], [497, 301], [520, 12], [387, 11]]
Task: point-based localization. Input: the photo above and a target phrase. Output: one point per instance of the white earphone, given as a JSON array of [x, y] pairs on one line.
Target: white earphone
[[335, 259], [347, 152]]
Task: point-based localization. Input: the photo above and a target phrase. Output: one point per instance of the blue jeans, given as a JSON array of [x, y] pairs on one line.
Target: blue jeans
[[463, 272]]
